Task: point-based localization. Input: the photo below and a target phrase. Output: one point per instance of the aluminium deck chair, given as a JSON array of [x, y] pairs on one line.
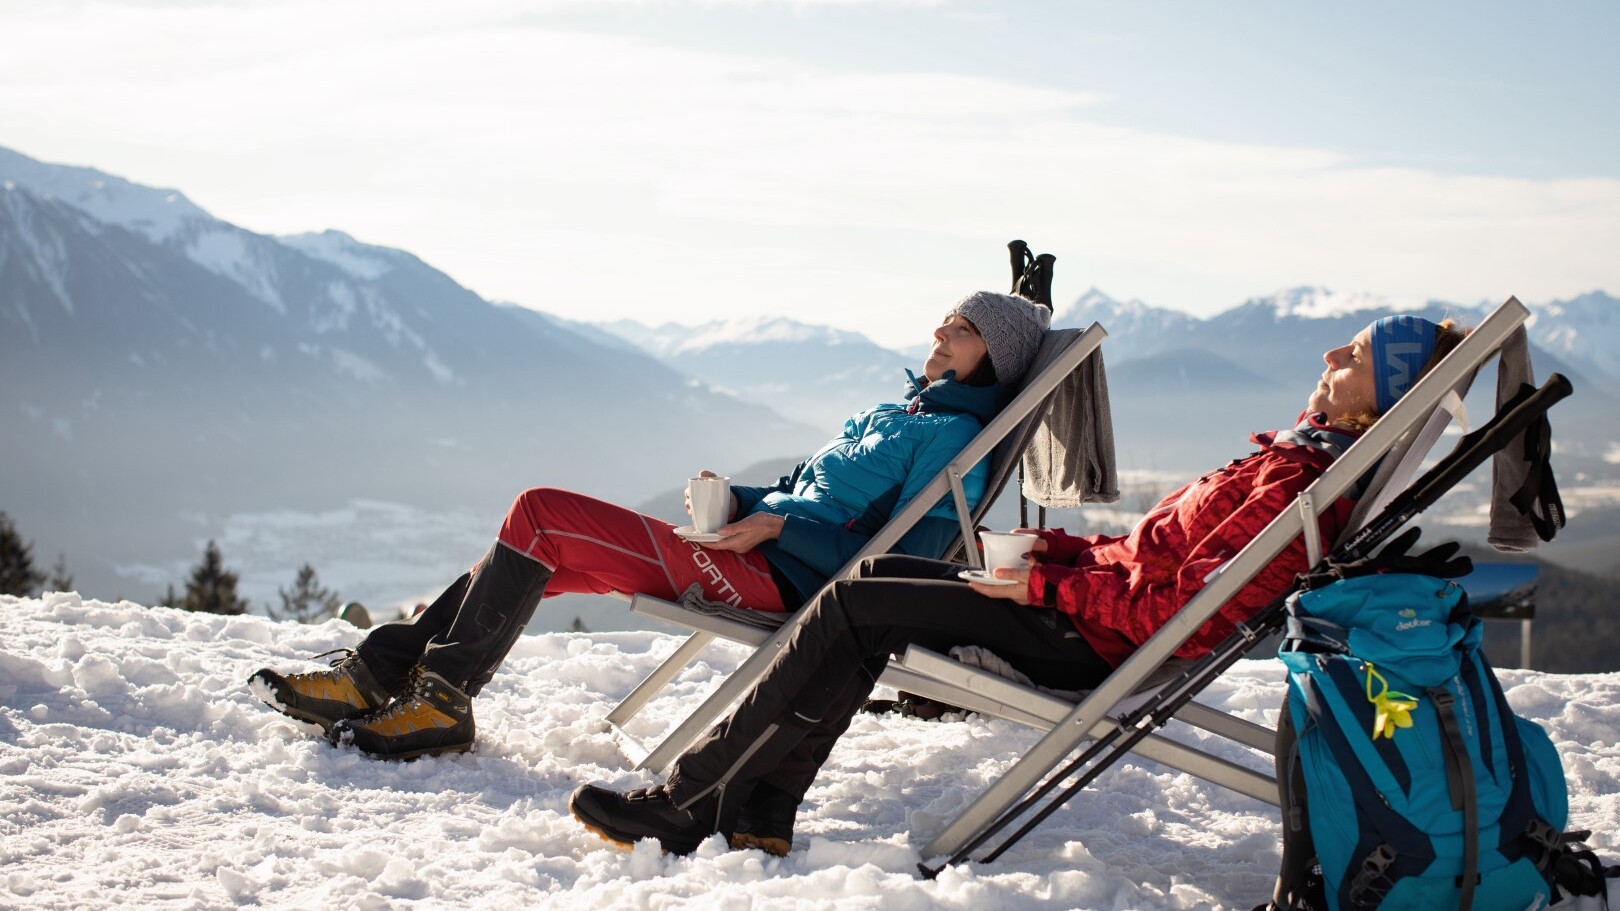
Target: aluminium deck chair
[[1391, 449], [1002, 440]]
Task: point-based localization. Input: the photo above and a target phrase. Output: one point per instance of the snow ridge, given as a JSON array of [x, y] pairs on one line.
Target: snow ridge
[[361, 261], [671, 340], [1314, 302], [159, 214]]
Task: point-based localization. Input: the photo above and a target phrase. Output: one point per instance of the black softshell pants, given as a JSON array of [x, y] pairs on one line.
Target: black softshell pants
[[784, 728], [390, 650], [467, 631]]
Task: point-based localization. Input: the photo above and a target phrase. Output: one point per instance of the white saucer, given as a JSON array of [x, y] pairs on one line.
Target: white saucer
[[983, 578], [690, 533]]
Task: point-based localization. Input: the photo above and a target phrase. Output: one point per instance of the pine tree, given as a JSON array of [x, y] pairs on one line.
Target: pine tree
[[61, 580], [211, 588], [17, 573], [307, 601]]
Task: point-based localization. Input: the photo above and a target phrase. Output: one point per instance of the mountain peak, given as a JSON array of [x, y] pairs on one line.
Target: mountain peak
[[157, 213], [1316, 302], [1095, 297], [1134, 328], [676, 339], [1096, 304], [753, 330], [360, 260]]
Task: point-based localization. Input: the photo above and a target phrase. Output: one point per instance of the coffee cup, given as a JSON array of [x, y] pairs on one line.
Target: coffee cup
[[711, 503], [1006, 549]]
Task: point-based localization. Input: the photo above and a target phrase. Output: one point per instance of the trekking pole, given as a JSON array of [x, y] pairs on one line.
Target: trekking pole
[[1471, 451], [1134, 727], [1517, 414]]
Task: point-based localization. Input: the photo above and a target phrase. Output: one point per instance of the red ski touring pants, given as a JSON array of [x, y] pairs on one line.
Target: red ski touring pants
[[593, 546]]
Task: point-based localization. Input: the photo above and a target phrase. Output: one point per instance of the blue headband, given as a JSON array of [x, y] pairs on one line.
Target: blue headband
[[1401, 345]]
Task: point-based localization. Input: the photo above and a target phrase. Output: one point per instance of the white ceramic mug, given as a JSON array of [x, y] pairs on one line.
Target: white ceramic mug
[[1009, 549], [711, 503]]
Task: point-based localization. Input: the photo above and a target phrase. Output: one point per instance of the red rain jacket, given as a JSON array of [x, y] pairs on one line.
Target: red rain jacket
[[1120, 589]]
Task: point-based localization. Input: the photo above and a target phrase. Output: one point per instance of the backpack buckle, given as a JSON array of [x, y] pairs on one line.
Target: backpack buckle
[[1373, 877]]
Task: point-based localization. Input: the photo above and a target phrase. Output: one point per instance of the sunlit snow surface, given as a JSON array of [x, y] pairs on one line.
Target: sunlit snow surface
[[136, 771]]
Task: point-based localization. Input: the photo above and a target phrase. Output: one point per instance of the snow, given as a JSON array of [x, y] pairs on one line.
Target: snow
[[673, 339], [136, 770], [232, 253], [156, 213], [760, 329], [440, 370], [1583, 328], [1322, 303], [352, 364], [1095, 300], [359, 260], [46, 253]]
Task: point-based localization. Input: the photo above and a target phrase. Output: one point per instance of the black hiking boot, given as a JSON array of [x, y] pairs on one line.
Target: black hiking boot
[[766, 821], [321, 697], [913, 706], [430, 717], [628, 817]]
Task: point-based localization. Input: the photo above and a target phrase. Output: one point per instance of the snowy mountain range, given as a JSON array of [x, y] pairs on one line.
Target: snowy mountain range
[[1171, 375], [164, 365], [1186, 391], [1297, 324], [816, 374]]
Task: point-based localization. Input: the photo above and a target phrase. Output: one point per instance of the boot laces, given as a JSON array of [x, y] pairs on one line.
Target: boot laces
[[412, 688], [338, 668]]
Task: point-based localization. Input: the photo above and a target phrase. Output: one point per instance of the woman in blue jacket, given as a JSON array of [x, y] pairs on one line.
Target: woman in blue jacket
[[407, 690]]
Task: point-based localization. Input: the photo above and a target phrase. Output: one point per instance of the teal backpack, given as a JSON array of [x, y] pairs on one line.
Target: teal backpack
[[1424, 789]]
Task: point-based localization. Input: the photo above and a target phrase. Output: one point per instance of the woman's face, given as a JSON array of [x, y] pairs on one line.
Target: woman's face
[[1348, 386], [957, 346]]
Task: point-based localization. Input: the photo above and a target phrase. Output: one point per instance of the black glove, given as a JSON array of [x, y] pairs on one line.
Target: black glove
[[1440, 561]]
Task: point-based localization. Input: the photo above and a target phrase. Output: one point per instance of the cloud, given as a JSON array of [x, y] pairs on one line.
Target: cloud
[[525, 158]]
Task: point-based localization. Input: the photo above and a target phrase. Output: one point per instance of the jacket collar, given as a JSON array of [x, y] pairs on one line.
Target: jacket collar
[[1313, 432], [947, 395]]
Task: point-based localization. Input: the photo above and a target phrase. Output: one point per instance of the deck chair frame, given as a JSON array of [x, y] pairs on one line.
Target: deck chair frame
[[1012, 426], [1415, 415], [935, 676]]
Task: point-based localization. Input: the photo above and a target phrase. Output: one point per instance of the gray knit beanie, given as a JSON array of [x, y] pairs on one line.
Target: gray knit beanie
[[1010, 326]]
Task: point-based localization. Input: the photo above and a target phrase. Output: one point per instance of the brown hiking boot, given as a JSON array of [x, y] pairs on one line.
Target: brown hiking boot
[[321, 697], [430, 717], [766, 821]]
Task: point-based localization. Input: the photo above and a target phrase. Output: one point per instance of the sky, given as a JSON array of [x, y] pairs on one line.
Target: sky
[[862, 164]]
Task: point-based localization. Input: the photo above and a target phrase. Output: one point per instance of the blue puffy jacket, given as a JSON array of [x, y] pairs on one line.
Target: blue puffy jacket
[[837, 499]]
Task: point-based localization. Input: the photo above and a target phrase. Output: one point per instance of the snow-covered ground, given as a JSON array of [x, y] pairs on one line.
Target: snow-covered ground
[[136, 771]]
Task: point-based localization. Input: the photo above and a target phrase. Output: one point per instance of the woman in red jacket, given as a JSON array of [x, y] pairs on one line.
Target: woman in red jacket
[[1081, 610]]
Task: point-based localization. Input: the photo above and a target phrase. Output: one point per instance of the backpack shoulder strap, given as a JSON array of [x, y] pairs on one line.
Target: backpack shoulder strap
[[1460, 776]]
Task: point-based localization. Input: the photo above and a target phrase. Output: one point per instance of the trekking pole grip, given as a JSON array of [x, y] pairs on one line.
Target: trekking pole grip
[[1471, 451]]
